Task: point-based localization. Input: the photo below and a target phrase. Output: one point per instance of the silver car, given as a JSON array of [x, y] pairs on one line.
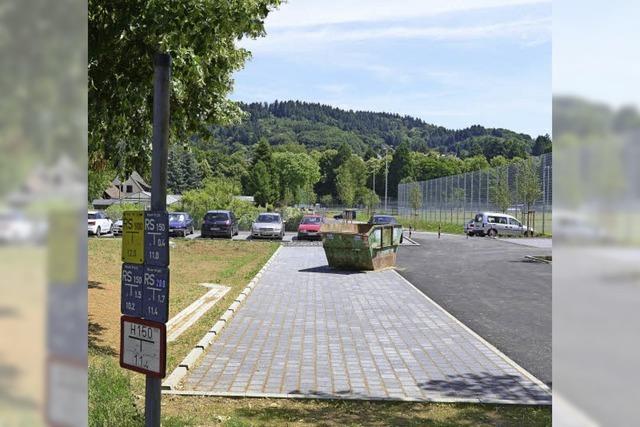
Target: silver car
[[269, 225], [494, 224]]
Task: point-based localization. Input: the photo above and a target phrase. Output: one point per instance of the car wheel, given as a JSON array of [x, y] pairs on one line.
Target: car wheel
[[492, 232], [192, 230], [98, 231]]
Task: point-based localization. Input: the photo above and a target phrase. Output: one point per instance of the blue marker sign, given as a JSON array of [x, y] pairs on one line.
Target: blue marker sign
[[156, 294], [132, 289], [156, 239]]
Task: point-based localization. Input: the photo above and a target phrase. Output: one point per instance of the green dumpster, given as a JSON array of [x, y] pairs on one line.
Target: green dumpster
[[359, 246]]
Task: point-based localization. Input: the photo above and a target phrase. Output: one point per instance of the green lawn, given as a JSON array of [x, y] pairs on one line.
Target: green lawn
[[116, 396]]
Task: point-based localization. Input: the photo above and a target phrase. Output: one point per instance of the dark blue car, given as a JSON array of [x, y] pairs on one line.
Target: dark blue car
[[180, 224], [219, 223]]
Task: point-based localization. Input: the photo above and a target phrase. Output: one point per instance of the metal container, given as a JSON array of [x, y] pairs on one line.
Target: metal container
[[359, 246]]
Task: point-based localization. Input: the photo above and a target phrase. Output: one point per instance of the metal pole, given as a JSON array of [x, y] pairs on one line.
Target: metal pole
[[544, 195], [160, 153], [386, 177]]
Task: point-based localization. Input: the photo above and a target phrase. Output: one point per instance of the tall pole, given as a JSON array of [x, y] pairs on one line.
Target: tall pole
[[160, 153], [386, 177]]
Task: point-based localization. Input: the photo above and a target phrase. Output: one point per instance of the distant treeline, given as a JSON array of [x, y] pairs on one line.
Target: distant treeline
[[319, 127]]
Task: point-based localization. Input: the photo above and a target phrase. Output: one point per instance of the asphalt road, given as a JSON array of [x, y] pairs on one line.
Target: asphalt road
[[487, 285]]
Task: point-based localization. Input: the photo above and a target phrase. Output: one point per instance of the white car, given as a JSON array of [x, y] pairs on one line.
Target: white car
[[99, 223], [268, 225], [16, 228]]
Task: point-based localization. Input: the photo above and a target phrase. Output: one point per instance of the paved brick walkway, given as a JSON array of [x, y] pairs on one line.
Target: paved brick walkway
[[308, 331]]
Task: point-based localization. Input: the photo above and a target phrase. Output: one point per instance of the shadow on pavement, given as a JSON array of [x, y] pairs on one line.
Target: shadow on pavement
[[470, 385], [328, 270]]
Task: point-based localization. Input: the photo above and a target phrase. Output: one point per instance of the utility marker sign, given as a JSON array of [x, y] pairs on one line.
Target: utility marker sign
[[131, 292], [156, 294], [133, 237], [143, 346], [156, 239]]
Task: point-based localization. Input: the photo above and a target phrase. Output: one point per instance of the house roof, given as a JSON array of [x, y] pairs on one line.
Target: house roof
[[137, 178]]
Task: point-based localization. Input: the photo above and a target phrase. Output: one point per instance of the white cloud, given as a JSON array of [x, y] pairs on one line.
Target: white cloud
[[524, 31], [305, 13]]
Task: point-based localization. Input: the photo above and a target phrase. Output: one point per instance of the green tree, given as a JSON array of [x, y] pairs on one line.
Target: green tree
[[399, 168], [346, 186], [98, 181], [216, 193], [415, 198], [528, 183], [205, 169], [351, 179], [201, 37], [541, 145], [498, 161], [475, 163], [191, 171], [176, 181], [499, 191], [296, 173], [262, 153], [261, 185], [370, 200], [328, 166]]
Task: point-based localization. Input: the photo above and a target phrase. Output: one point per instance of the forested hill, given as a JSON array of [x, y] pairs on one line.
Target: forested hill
[[318, 126]]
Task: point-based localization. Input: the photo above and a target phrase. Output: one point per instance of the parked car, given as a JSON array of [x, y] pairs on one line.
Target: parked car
[[180, 224], [469, 227], [309, 227], [16, 228], [117, 228], [219, 223], [382, 219], [99, 223], [268, 224], [494, 224]]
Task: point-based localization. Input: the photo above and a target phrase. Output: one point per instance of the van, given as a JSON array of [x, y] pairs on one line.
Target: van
[[494, 224]]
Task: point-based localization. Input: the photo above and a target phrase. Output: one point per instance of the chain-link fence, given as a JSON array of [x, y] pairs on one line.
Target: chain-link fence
[[513, 189]]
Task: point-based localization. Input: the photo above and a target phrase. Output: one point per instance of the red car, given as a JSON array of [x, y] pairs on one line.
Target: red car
[[309, 227]]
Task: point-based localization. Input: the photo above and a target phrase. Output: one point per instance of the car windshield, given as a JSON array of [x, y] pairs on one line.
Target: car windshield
[[93, 216], [268, 218], [216, 216], [383, 219], [176, 217], [311, 220], [479, 218]]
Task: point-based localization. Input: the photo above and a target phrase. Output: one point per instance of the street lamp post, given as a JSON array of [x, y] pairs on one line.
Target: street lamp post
[[386, 178]]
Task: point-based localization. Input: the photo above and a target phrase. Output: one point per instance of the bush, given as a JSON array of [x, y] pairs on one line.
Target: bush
[[246, 213], [216, 193], [115, 211], [292, 216], [111, 402]]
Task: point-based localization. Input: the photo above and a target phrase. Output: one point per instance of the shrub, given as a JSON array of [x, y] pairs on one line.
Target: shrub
[[115, 211], [292, 216]]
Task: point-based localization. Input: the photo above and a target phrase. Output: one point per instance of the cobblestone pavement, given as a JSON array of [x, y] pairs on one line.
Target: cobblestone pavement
[[308, 331]]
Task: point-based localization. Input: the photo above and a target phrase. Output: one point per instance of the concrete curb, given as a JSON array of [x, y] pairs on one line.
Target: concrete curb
[[172, 381], [497, 401]]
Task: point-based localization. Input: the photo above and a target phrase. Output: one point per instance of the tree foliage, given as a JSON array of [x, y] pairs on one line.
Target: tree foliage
[[320, 127], [296, 173], [499, 191], [201, 37], [399, 168], [528, 182]]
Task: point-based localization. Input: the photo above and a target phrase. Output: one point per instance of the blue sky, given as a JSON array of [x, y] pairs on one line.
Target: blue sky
[[452, 63]]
